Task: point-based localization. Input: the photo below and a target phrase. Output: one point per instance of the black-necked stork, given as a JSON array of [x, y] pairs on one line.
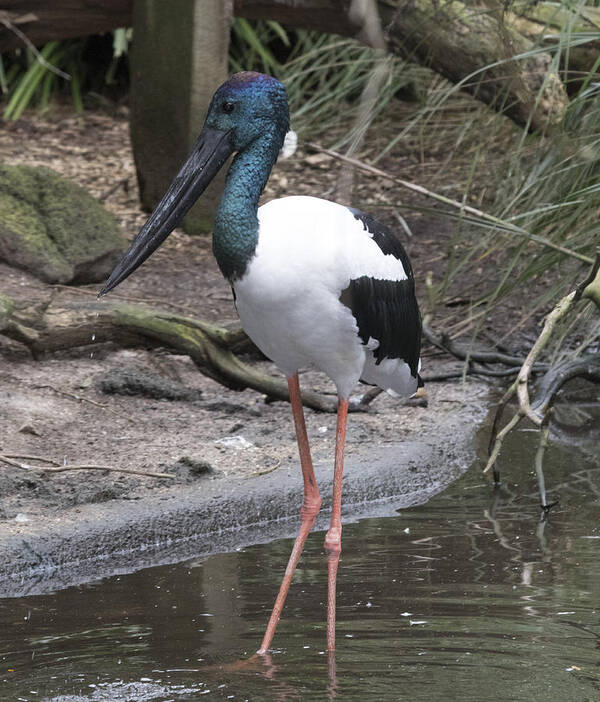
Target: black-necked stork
[[315, 283]]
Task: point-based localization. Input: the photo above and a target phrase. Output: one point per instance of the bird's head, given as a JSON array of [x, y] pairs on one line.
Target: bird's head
[[248, 107]]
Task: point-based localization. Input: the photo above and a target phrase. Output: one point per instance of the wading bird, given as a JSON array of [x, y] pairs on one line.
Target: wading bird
[[315, 283]]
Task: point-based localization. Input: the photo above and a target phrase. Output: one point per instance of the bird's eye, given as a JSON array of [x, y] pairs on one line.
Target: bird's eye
[[228, 107]]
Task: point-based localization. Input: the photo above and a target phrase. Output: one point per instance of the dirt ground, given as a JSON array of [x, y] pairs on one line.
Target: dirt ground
[[56, 407]]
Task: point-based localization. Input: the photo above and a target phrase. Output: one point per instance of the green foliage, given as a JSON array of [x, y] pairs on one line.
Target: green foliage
[[553, 190], [324, 75], [29, 78], [541, 193], [35, 78], [541, 199], [250, 46]]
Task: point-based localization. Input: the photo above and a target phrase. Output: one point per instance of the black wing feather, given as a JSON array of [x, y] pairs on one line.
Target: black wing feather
[[385, 238], [386, 310]]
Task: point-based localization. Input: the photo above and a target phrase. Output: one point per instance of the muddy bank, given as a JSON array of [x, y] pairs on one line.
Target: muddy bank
[[94, 540]]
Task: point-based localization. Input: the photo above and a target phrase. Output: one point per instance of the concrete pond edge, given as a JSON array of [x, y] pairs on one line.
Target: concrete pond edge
[[98, 540]]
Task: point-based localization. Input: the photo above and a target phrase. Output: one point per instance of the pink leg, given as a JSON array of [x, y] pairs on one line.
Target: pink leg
[[308, 512], [333, 538]]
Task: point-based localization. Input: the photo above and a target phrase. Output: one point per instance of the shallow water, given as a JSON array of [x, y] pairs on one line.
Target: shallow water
[[468, 597]]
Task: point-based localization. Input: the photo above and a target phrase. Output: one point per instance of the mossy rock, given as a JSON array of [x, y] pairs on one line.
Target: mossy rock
[[55, 229], [7, 307]]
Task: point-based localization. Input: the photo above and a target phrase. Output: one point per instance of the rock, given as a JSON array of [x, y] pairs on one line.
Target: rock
[[7, 307], [239, 443], [29, 429], [199, 466], [55, 229], [189, 469], [134, 381]]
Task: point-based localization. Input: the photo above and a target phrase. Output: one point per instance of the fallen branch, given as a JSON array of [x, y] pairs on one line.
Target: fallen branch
[[55, 467], [32, 458], [66, 324], [444, 342], [587, 367]]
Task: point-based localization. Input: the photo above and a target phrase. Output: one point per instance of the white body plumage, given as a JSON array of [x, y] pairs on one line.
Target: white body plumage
[[288, 300]]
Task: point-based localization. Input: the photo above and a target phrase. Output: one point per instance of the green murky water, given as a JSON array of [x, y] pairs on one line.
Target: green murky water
[[468, 597]]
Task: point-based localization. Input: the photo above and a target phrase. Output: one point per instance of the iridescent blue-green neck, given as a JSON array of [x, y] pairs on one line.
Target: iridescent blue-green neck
[[236, 223]]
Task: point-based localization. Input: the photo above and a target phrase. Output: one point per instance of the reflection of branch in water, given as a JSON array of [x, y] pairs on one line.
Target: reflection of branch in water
[[539, 532], [527, 567], [588, 478], [480, 566], [526, 574], [583, 627], [528, 608], [491, 515], [581, 481], [502, 540]]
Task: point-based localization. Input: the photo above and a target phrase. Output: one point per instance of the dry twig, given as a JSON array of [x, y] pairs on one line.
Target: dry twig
[[55, 467], [9, 23], [80, 398]]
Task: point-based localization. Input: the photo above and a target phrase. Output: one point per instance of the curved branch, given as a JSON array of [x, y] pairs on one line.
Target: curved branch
[[65, 324], [587, 367], [557, 313], [445, 343], [590, 288]]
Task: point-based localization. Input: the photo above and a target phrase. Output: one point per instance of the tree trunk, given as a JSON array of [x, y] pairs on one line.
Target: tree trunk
[[470, 45], [546, 23], [457, 39], [178, 59]]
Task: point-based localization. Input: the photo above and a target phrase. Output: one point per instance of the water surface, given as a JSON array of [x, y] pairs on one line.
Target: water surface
[[468, 597]]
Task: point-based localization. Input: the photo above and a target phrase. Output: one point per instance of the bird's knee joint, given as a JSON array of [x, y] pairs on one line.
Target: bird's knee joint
[[333, 551], [310, 507], [333, 542]]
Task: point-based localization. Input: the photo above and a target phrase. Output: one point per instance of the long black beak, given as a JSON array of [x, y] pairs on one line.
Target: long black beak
[[210, 152]]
